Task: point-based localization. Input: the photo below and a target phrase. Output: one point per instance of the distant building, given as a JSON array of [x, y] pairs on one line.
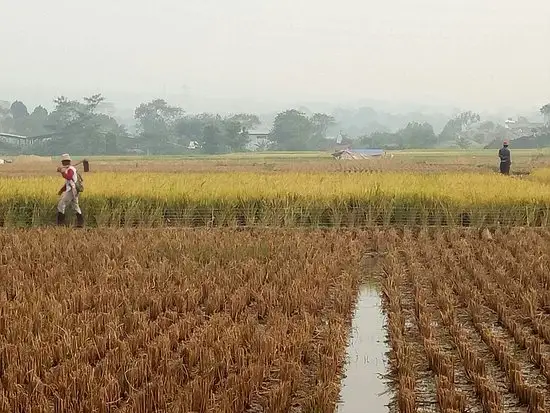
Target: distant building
[[258, 140], [24, 140], [523, 127], [135, 151], [14, 139], [193, 145]]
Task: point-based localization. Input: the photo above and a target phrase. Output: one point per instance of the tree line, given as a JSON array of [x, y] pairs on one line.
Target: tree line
[[85, 127]]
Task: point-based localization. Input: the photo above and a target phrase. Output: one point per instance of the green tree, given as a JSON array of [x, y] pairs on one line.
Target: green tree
[[468, 118], [236, 135], [40, 113], [292, 131], [188, 129], [93, 102], [213, 139], [456, 126], [247, 120], [479, 137], [77, 128], [19, 122], [214, 133], [545, 111], [321, 123], [5, 116], [382, 140], [487, 126], [72, 122], [462, 142], [18, 110], [417, 135], [156, 123], [31, 125], [67, 113]]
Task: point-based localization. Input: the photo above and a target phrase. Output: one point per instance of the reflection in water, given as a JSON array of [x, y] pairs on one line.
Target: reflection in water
[[362, 387]]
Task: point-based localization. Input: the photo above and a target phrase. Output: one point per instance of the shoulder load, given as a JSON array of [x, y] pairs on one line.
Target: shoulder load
[[74, 178], [79, 183]]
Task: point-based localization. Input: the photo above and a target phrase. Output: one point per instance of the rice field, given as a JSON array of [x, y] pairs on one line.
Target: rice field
[[175, 321], [477, 339], [194, 291], [229, 320], [284, 199], [415, 188], [417, 161]]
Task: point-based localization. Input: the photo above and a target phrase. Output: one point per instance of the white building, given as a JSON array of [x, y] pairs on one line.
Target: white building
[[522, 127], [258, 140]]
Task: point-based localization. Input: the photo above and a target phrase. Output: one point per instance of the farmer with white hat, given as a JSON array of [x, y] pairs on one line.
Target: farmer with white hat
[[69, 191]]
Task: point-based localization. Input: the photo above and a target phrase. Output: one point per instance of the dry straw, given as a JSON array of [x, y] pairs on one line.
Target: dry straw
[[143, 321], [468, 297]]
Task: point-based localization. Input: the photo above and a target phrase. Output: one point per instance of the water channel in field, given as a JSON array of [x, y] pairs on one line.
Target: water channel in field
[[363, 389]]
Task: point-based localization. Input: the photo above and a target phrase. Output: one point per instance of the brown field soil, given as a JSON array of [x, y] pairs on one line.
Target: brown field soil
[[522, 165], [468, 319], [175, 320]]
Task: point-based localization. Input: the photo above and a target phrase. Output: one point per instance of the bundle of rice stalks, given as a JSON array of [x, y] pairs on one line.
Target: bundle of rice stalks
[[448, 399]]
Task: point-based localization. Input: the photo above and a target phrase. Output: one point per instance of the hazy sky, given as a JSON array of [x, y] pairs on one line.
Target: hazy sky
[[483, 53]]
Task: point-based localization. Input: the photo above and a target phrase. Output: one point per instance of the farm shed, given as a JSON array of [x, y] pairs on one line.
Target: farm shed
[[359, 153]]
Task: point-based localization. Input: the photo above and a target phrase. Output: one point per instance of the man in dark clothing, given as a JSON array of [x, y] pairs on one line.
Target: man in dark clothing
[[505, 159]]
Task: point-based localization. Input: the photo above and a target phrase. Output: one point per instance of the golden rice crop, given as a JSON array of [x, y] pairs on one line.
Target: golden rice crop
[[284, 199], [541, 175], [175, 320]]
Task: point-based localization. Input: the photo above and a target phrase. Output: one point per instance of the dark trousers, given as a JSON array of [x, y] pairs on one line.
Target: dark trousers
[[505, 168]]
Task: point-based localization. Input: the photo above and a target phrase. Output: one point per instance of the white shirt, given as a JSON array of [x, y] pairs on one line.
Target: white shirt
[[69, 183]]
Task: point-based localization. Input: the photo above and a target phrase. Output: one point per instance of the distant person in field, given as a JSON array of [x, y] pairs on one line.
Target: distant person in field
[[69, 191], [505, 159]]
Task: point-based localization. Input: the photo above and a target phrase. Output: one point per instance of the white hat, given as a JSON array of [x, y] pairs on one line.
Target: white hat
[[66, 157]]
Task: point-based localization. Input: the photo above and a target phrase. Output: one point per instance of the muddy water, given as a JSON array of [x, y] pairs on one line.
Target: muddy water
[[362, 388]]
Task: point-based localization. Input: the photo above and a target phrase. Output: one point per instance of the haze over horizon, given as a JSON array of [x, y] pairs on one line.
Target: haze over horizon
[[211, 54]]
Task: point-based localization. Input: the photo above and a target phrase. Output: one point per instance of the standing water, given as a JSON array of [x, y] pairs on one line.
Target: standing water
[[362, 387]]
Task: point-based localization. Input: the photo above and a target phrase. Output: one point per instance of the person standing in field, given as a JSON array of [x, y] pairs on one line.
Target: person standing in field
[[69, 191], [505, 159]]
